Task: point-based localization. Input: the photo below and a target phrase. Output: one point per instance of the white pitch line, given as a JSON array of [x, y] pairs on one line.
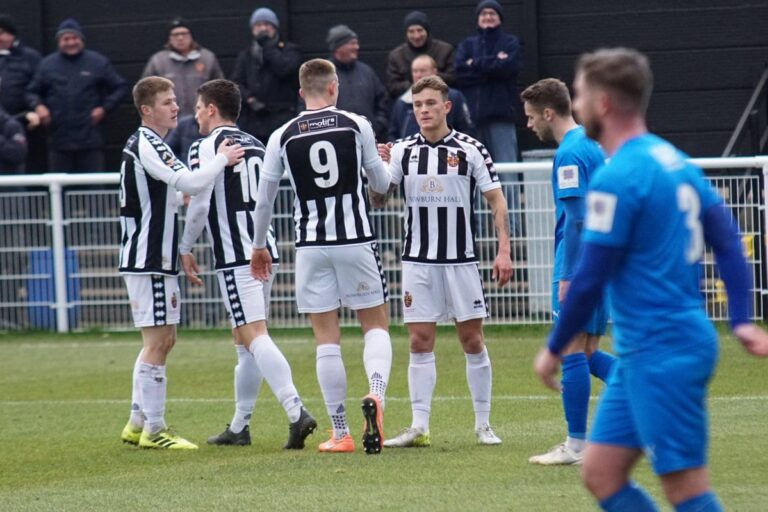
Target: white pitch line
[[510, 398]]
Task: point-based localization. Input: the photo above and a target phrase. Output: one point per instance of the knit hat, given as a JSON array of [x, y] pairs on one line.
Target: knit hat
[[69, 25], [416, 18], [489, 4], [339, 35], [178, 22], [7, 24], [265, 14]]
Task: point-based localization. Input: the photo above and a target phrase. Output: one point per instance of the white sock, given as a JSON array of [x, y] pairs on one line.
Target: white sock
[[576, 445], [422, 376], [377, 358], [479, 378], [247, 385], [154, 384], [332, 378], [137, 418], [277, 372]]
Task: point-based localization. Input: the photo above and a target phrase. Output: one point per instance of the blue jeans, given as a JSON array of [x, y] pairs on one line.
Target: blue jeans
[[500, 138]]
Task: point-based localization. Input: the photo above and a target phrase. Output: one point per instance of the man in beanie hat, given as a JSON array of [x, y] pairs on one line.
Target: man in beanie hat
[[72, 92], [360, 90], [18, 64], [418, 41], [267, 72], [185, 63], [487, 65]]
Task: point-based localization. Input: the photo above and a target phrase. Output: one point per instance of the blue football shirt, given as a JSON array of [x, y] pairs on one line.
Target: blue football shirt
[[648, 200], [575, 162]]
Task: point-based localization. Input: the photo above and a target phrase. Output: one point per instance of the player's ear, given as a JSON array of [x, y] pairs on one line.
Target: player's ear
[[448, 106], [301, 93]]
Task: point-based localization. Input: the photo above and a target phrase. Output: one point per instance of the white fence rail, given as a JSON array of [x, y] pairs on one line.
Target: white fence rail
[[59, 239]]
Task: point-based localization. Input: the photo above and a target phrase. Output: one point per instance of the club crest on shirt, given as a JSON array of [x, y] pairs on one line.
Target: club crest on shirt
[[432, 185], [363, 287], [452, 160], [568, 176], [408, 299]]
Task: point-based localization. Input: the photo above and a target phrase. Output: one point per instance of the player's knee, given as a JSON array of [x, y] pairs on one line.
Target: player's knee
[[422, 342]]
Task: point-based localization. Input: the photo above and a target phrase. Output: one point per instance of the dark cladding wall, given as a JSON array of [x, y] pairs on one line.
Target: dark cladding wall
[[706, 55]]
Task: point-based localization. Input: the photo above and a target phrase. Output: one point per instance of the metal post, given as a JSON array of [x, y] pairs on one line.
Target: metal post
[[765, 227], [59, 257]]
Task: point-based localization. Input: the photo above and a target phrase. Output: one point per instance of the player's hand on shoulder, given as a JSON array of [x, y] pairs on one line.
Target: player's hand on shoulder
[[754, 339], [233, 152], [189, 264]]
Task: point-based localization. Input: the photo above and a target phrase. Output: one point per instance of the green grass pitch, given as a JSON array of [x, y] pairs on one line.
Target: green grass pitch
[[65, 398]]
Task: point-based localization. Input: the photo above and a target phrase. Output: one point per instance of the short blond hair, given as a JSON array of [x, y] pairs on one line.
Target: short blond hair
[[316, 75], [146, 89]]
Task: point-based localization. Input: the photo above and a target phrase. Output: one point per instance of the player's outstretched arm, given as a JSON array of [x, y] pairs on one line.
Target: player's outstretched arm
[[195, 182], [502, 265]]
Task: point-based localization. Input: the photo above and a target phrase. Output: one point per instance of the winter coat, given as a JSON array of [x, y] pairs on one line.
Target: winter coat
[[400, 59]]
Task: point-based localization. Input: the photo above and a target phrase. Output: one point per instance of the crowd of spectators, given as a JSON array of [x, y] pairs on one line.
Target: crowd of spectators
[[65, 97]]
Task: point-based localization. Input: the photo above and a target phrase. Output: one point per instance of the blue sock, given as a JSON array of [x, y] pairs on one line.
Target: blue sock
[[600, 364], [630, 498], [576, 388], [706, 502]]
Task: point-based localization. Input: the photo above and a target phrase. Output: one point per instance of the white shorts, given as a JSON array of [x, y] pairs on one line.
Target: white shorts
[[246, 298], [155, 299], [350, 275], [438, 293]]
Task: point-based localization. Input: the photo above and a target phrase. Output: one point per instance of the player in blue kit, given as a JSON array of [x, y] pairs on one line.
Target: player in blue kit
[[649, 213], [547, 105]]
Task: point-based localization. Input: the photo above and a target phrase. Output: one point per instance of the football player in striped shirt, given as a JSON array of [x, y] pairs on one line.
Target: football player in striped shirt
[[225, 209], [329, 154], [151, 181], [438, 170], [649, 214], [547, 105]]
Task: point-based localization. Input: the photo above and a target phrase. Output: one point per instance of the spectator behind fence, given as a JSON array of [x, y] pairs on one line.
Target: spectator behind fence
[[487, 65], [72, 92], [185, 63], [18, 64], [267, 74], [403, 121], [360, 90], [13, 145], [418, 41]]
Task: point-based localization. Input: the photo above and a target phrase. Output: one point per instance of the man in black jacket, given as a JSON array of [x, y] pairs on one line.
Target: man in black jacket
[[72, 92], [267, 74]]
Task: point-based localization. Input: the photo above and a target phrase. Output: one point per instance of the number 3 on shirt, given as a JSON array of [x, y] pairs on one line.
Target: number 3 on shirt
[[688, 202]]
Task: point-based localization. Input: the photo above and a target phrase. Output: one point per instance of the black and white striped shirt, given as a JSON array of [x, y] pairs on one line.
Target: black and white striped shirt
[[226, 207], [324, 152], [438, 183], [149, 205]]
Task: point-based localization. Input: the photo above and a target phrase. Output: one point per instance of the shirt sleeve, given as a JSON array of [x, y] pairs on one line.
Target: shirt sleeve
[[396, 163], [570, 176], [273, 167], [375, 170], [483, 170], [612, 205]]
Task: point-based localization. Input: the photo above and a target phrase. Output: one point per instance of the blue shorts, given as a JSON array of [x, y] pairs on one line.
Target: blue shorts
[[659, 405], [598, 320]]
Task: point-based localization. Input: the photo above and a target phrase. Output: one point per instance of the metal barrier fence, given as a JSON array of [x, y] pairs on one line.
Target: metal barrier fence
[[59, 239]]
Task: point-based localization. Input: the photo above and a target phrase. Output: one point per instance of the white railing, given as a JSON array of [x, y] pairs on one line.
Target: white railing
[[59, 246]]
